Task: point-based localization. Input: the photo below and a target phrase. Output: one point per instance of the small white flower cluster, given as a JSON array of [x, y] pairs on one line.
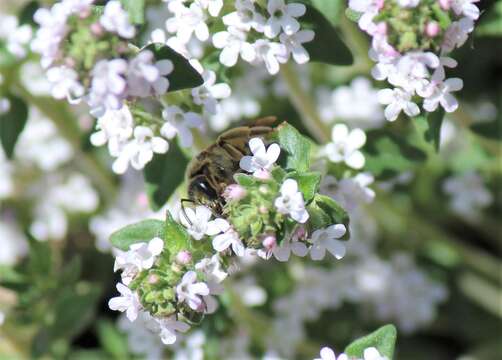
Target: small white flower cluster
[[14, 242], [17, 37], [416, 72], [246, 26], [469, 195], [370, 353], [345, 146], [196, 294]]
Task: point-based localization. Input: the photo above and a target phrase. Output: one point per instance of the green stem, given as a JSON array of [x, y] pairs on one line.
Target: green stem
[[64, 120], [304, 104]]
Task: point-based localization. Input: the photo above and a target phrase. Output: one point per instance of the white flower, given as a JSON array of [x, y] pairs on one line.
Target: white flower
[[212, 6], [116, 19], [169, 327], [14, 243], [108, 86], [211, 267], [139, 151], [229, 238], [291, 201], [198, 224], [190, 291], [283, 16], [128, 302], [345, 146], [294, 43], [408, 3], [326, 239], [456, 34], [411, 72], [368, 9], [397, 100], [262, 159], [233, 42], [372, 353], [208, 93], [141, 256], [270, 53], [352, 192], [441, 94], [465, 7], [64, 83], [468, 194], [245, 17], [328, 354], [18, 39], [114, 127], [179, 123], [145, 78], [288, 246], [188, 20]]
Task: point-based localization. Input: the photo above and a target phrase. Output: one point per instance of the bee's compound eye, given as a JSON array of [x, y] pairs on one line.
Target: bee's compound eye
[[200, 188]]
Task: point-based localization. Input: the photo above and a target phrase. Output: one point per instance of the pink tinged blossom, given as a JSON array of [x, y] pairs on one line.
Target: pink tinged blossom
[[198, 222], [466, 8], [128, 302], [289, 245], [445, 4], [397, 100], [207, 94], [269, 242], [441, 94], [456, 34], [283, 16], [327, 239], [291, 202], [262, 158], [211, 267], [179, 123], [190, 291], [146, 77]]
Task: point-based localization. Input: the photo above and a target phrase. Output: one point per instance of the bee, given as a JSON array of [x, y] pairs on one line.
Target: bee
[[210, 172]]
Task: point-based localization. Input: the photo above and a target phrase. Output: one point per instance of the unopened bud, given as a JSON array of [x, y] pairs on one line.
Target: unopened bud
[[269, 242], [263, 209], [262, 174], [153, 279], [183, 257], [234, 192], [432, 29], [96, 29], [445, 4]]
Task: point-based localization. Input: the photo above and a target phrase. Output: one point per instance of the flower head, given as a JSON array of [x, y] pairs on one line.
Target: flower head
[[327, 239], [291, 201], [283, 16], [262, 158], [345, 146], [128, 302], [190, 291]]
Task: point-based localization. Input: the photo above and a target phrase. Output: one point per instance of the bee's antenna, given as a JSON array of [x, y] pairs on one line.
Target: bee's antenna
[[183, 209]]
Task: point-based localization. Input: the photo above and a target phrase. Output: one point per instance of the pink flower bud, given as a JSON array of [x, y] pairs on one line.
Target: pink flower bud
[[184, 257], [69, 61], [380, 4], [262, 174], [234, 192], [269, 242], [153, 279], [84, 14], [445, 4], [300, 233], [432, 29], [96, 29], [263, 209]]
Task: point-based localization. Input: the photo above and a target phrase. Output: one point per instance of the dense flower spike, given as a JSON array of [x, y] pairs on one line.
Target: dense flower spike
[[409, 50]]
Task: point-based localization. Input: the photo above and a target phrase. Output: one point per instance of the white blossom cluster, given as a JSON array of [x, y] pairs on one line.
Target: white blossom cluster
[[416, 73], [370, 353], [258, 35], [15, 35]]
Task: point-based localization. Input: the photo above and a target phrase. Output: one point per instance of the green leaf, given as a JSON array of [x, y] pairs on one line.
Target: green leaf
[[433, 132], [295, 148], [176, 236], [112, 340], [135, 9], [6, 58], [184, 76], [388, 154], [245, 179], [325, 211], [384, 339], [308, 183], [12, 124], [27, 12], [142, 231], [332, 9], [490, 23], [327, 46], [352, 15], [164, 174]]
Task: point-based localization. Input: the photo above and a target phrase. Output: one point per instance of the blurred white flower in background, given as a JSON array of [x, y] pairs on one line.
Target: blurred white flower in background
[[6, 180], [141, 339], [345, 146], [13, 243]]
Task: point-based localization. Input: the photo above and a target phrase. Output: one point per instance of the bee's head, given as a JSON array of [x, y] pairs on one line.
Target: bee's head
[[201, 192]]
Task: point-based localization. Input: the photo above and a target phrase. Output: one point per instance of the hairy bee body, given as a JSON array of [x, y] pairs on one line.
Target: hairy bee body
[[210, 172]]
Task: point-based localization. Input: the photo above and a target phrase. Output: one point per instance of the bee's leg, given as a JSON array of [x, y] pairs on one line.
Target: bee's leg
[[183, 209]]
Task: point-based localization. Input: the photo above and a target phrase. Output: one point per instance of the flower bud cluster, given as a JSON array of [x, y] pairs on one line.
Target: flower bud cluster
[[411, 40]]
